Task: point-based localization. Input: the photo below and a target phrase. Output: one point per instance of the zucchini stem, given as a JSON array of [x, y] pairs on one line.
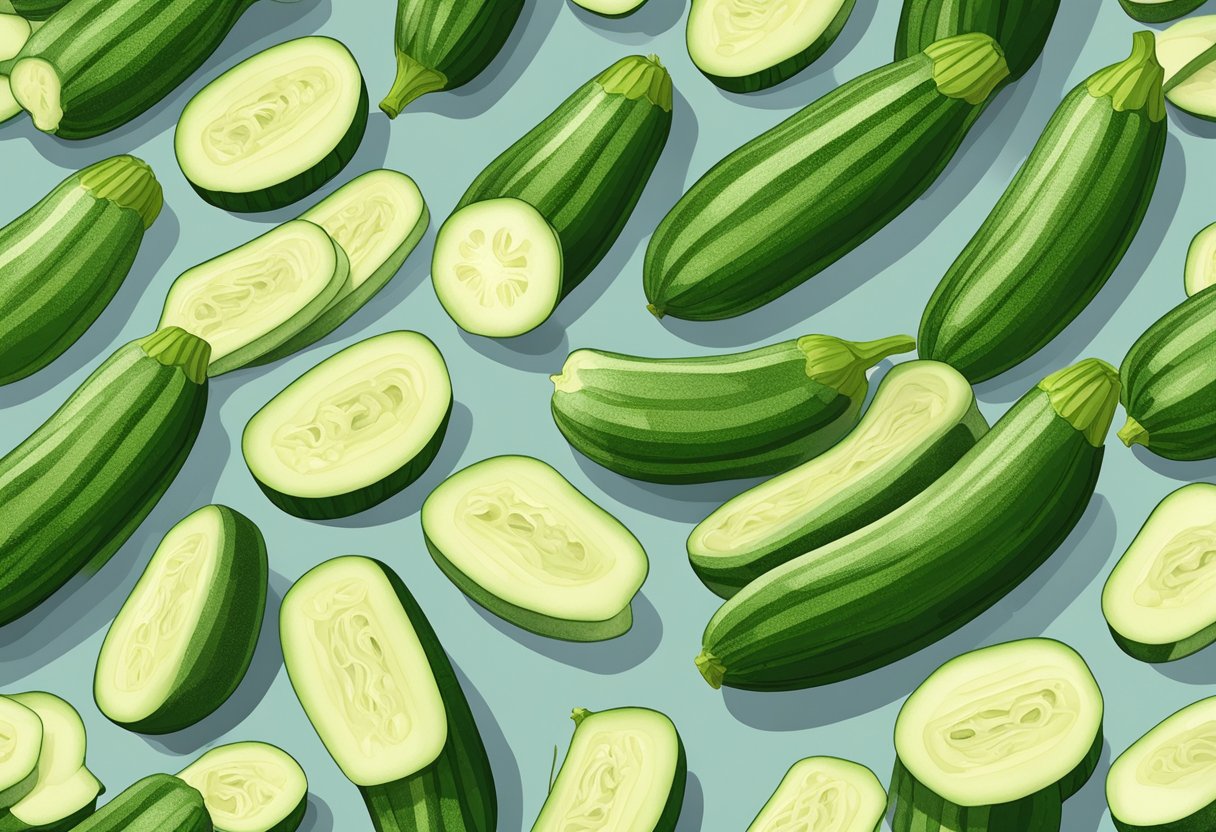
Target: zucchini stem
[[711, 668], [968, 67], [1135, 82], [1085, 396], [1133, 433], [841, 365], [412, 82], [175, 347], [127, 182], [637, 77], [656, 311]]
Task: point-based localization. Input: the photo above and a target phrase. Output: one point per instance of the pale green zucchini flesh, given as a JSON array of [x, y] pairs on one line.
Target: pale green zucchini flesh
[[1187, 52], [9, 106], [250, 787], [824, 793], [611, 8], [1159, 11], [20, 747], [14, 32], [1200, 270]]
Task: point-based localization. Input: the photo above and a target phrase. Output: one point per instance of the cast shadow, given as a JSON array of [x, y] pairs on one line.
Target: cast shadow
[[649, 21], [1084, 810], [1195, 669], [318, 817], [1200, 469], [508, 785], [1192, 125], [692, 813], [543, 350]]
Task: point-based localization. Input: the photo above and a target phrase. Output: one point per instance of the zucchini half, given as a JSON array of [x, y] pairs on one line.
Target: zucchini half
[[250, 787], [824, 793], [1200, 270], [21, 738]]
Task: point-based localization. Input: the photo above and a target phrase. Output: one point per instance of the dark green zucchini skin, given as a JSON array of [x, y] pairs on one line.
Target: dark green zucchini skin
[[1169, 382], [1061, 227], [157, 803], [935, 563], [75, 247], [1159, 12], [37, 9], [789, 203], [1021, 27], [77, 488]]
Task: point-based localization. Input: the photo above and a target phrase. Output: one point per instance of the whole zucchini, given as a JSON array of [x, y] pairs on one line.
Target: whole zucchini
[[794, 200], [1021, 27], [936, 562], [1061, 227], [77, 488]]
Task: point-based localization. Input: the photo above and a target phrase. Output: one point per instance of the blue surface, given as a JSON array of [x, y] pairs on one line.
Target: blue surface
[[522, 687]]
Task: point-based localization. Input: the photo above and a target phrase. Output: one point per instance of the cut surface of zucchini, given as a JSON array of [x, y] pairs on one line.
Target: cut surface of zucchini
[[1201, 261], [498, 268], [14, 32], [250, 787], [64, 786], [824, 793], [1180, 45], [20, 746], [9, 106], [611, 8]]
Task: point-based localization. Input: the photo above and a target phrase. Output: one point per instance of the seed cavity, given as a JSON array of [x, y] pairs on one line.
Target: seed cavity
[[494, 267], [1182, 760], [820, 804], [613, 772], [360, 225], [253, 288], [1183, 571], [741, 24], [241, 790], [267, 116]]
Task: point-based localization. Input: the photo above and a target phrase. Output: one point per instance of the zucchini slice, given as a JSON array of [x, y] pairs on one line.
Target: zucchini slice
[[14, 32], [997, 739], [275, 127], [1160, 599], [1187, 52], [611, 8], [518, 538], [922, 420], [20, 747], [9, 106], [625, 770], [185, 636], [250, 787], [256, 297], [1200, 270], [1159, 11], [354, 430], [157, 803], [745, 46], [824, 793], [1164, 782]]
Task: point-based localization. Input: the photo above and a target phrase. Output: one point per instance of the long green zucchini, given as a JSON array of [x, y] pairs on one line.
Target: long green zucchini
[[1021, 27], [794, 200], [77, 488], [157, 803], [1061, 227], [934, 563]]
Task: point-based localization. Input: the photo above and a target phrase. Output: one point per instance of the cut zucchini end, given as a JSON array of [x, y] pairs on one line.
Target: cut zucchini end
[[36, 86], [1200, 270], [830, 792], [1085, 395], [711, 668], [1133, 433], [64, 786], [413, 81], [250, 787]]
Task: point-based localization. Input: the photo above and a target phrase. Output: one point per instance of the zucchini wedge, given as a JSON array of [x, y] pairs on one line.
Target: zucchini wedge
[[1200, 270], [922, 420], [610, 8], [63, 260], [250, 787], [275, 127], [21, 731], [912, 577], [379, 690], [1157, 600], [1159, 11], [996, 740], [519, 539], [157, 803], [354, 430], [824, 793], [1020, 27]]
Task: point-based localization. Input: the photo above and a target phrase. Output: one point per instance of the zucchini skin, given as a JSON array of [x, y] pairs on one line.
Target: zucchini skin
[[1021, 27], [157, 803], [789, 203], [1059, 230], [36, 9], [9, 823], [77, 488], [74, 249], [1159, 12]]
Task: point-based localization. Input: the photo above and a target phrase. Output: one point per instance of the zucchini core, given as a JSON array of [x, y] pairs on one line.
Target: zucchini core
[[824, 793], [35, 85], [249, 787], [737, 38]]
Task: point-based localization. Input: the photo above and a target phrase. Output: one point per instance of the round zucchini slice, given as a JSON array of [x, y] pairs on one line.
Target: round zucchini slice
[[275, 127], [354, 430], [1200, 270], [518, 538], [20, 746], [824, 793], [250, 787], [611, 8], [497, 268]]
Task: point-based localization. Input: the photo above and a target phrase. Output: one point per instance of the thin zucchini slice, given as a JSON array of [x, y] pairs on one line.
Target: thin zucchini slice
[[1160, 599], [997, 739], [1200, 270], [611, 8], [518, 538], [1164, 782], [20, 746], [250, 787], [824, 793], [275, 127], [14, 32], [354, 430], [497, 268], [625, 770], [1159, 11], [250, 300]]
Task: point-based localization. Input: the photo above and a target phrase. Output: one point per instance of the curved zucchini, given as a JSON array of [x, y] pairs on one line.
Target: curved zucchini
[[1061, 227], [922, 420], [22, 732], [1200, 271], [63, 260], [1159, 11], [824, 793], [911, 577], [157, 803], [250, 787], [611, 8], [794, 200], [710, 418], [76, 489], [1020, 27]]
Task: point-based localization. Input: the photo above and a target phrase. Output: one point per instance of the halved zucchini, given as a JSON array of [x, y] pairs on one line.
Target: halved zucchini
[[1159, 11], [518, 538], [20, 746], [14, 32], [1187, 53], [1200, 270], [611, 8], [824, 793], [354, 430], [256, 297], [250, 787], [275, 127]]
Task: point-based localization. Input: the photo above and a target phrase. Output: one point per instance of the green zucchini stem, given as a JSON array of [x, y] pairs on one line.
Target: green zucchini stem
[[579, 714], [841, 365], [654, 310], [1135, 82], [174, 347], [711, 668], [968, 66], [127, 182], [412, 82], [637, 77], [1133, 433], [1085, 396]]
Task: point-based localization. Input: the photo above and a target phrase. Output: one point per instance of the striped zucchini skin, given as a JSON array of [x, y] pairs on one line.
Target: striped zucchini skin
[[1021, 27], [1061, 227], [9, 822], [907, 580], [1159, 12], [64, 259], [157, 803], [81, 484], [1169, 382], [794, 200], [34, 9]]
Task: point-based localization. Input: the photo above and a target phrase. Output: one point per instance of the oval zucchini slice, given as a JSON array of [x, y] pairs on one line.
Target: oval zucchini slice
[[275, 127], [1200, 270], [250, 787], [20, 746], [611, 8], [354, 430], [824, 793], [518, 538], [1159, 11]]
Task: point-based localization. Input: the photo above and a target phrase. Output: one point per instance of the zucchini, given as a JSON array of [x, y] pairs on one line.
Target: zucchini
[[1163, 782], [996, 740], [250, 301], [1159, 11], [1187, 51], [354, 430], [912, 577], [157, 803], [625, 770], [15, 30], [8, 102], [1020, 27], [611, 8], [63, 260], [1060, 228], [34, 10], [824, 793], [519, 539], [185, 636], [91, 70], [250, 787], [720, 417], [497, 269], [745, 46], [444, 44], [1169, 383], [1200, 270], [377, 686], [789, 203], [76, 489], [922, 420], [275, 127], [1157, 600], [21, 732]]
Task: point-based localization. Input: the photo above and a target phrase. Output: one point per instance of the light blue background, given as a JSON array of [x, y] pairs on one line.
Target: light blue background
[[523, 687]]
